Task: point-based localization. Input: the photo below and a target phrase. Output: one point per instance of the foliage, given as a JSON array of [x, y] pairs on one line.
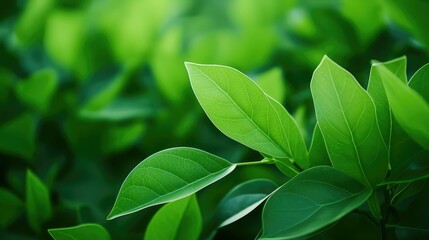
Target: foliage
[[90, 88]]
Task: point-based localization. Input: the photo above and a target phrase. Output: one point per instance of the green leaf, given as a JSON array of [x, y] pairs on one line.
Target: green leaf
[[420, 82], [38, 90], [80, 232], [242, 111], [374, 206], [272, 83], [318, 154], [346, 116], [242, 200], [167, 176], [37, 201], [176, 220], [411, 111], [403, 191], [10, 207], [376, 90], [314, 199], [18, 136]]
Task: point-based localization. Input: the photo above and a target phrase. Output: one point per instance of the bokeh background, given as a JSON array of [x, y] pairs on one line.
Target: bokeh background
[[88, 89]]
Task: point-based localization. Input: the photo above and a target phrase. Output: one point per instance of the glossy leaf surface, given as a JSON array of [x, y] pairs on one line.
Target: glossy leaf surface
[[314, 199], [167, 176]]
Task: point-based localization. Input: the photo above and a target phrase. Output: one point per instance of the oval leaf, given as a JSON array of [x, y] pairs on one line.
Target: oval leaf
[[176, 220], [37, 201], [242, 200], [410, 109], [239, 108], [167, 176], [80, 232], [310, 201], [346, 116]]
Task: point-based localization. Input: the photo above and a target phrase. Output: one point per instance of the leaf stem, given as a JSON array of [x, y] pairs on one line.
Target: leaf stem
[[263, 161]]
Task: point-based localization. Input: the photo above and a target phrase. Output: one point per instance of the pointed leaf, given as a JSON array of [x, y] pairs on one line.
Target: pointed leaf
[[38, 202], [18, 136], [346, 116], [314, 199], [318, 154], [242, 111], [420, 82], [167, 176], [409, 108], [176, 220], [80, 232], [10, 207], [242, 200]]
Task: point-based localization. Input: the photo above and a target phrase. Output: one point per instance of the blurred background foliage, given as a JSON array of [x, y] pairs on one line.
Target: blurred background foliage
[[88, 89]]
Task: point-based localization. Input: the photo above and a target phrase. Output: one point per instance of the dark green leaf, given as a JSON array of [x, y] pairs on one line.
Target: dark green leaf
[[80, 232], [314, 199], [167, 176], [18, 136], [176, 220], [403, 191], [10, 207], [242, 111], [346, 116], [420, 82], [37, 201]]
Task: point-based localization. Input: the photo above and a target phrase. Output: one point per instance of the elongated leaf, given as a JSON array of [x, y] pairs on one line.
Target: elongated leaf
[[409, 108], [80, 232], [318, 154], [38, 202], [405, 190], [347, 120], [376, 90], [315, 198], [243, 199], [167, 176], [10, 207], [420, 82], [242, 111], [176, 220]]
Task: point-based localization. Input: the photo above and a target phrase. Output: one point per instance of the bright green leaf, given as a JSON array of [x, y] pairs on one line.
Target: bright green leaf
[[242, 111], [80, 232], [18, 136], [272, 83], [176, 220], [167, 176], [411, 111], [347, 119], [37, 201], [242, 199], [314, 199], [38, 90], [318, 154], [420, 82], [10, 207]]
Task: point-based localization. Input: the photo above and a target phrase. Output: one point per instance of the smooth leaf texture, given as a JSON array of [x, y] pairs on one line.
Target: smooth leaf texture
[[403, 191], [347, 120], [376, 90], [420, 82], [318, 154], [176, 220], [315, 198], [167, 176], [242, 111], [80, 232], [18, 136], [10, 207], [272, 83], [409, 108], [242, 200], [37, 201]]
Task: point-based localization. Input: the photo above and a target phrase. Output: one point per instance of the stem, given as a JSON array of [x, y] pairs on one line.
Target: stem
[[263, 161]]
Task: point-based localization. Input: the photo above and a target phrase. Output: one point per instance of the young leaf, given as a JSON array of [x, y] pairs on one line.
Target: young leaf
[[80, 232], [376, 90], [346, 116], [420, 82], [167, 176], [242, 111], [37, 201], [242, 200], [10, 207], [315, 198], [176, 220], [318, 154], [409, 108]]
